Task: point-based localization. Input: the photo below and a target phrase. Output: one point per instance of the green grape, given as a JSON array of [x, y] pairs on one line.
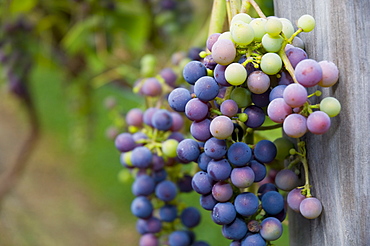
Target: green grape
[[258, 26], [225, 35], [272, 43], [306, 22], [241, 17], [169, 147], [242, 33], [271, 63], [331, 106], [288, 28], [241, 96], [235, 74], [283, 146], [273, 26], [148, 64]]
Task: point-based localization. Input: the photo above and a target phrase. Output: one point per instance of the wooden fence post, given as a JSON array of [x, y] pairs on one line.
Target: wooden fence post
[[339, 160]]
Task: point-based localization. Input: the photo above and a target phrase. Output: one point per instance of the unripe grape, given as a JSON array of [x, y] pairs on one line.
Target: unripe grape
[[169, 147], [331, 106], [272, 43], [306, 22], [241, 17], [242, 33], [273, 26], [235, 74], [258, 26], [271, 63]]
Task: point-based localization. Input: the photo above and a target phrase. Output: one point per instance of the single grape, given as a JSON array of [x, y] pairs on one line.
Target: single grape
[[241, 96], [258, 82], [206, 88], [277, 92], [179, 238], [148, 239], [223, 51], [263, 189], [278, 110], [141, 207], [246, 204], [258, 26], [221, 127], [272, 43], [188, 150], [190, 217], [308, 72], [318, 122], [169, 148], [196, 110], [331, 106], [202, 183], [125, 142], [310, 208], [283, 146], [242, 177], [241, 32], [271, 229], [200, 130], [225, 35], [178, 98], [271, 63], [286, 180], [265, 151], [239, 154], [166, 190], [306, 22], [151, 87], [223, 213], [168, 213], [162, 120], [134, 117], [272, 202], [211, 40], [141, 157], [148, 115], [236, 230], [256, 116], [259, 170], [295, 55], [288, 28], [285, 78], [298, 42], [203, 161], [241, 17], [193, 71], [229, 108], [215, 148], [143, 185], [219, 170], [330, 74], [169, 76], [207, 201], [273, 26], [295, 198], [295, 95], [153, 225], [219, 75], [235, 74], [253, 239], [222, 191], [261, 100], [295, 125]]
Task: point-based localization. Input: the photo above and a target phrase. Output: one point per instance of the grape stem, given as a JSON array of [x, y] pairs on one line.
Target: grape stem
[[287, 64], [257, 8], [303, 156], [245, 6], [264, 128], [217, 17]]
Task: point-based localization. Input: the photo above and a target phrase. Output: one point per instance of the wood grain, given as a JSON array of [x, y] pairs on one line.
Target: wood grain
[[338, 160]]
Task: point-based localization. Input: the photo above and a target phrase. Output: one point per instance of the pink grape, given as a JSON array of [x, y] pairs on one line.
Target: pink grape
[[212, 39], [295, 95], [310, 208], [278, 110], [318, 122], [330, 74], [223, 51], [258, 82], [295, 125], [308, 72], [221, 127], [229, 108], [294, 199]]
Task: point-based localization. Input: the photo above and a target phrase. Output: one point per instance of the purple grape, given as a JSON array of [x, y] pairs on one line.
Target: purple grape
[[159, 175], [246, 204], [166, 190], [261, 100], [295, 125], [168, 213], [236, 230], [203, 161], [229, 108], [162, 120], [263, 189], [271, 229], [141, 207], [295, 198], [242, 177], [222, 191], [193, 71], [207, 201], [184, 183], [125, 142], [219, 75], [188, 150], [134, 117], [190, 217], [286, 180], [278, 110], [196, 110], [308, 72], [151, 87], [215, 148], [179, 238], [193, 53], [153, 225], [206, 88], [295, 95], [177, 122], [178, 98], [148, 115], [219, 169], [200, 130], [277, 92], [209, 62], [272, 202], [211, 40], [256, 116], [310, 208], [141, 157], [223, 213], [148, 239], [178, 136], [143, 185], [259, 170], [169, 76], [253, 240], [295, 55], [239, 154], [258, 82], [330, 74], [318, 122], [265, 151], [202, 183], [285, 78]]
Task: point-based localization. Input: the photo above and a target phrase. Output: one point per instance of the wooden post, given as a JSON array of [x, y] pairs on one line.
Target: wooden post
[[339, 160]]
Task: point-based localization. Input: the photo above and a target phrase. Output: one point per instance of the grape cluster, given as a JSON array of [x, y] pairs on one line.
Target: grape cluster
[[148, 152], [255, 73]]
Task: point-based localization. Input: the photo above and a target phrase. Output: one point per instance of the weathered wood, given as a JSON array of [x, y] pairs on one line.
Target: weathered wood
[[338, 160]]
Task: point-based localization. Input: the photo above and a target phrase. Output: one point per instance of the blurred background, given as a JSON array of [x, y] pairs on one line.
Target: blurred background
[[67, 72]]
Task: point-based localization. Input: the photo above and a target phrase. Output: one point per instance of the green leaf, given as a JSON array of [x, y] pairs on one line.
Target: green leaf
[[22, 6]]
